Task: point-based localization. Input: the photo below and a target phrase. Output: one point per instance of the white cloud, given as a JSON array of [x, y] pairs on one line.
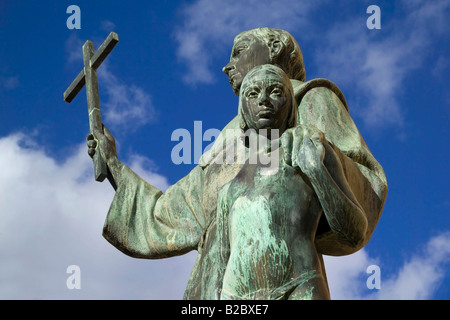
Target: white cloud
[[418, 278], [127, 106], [51, 217], [209, 27], [374, 64], [346, 274], [146, 168], [73, 47]]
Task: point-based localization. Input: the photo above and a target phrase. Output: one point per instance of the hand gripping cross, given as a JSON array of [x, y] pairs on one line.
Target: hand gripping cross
[[88, 76]]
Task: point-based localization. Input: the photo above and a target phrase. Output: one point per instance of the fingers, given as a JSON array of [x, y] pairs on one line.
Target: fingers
[[304, 155], [318, 140], [91, 152], [310, 155], [102, 141], [286, 143], [296, 146], [92, 144], [317, 137], [304, 147]]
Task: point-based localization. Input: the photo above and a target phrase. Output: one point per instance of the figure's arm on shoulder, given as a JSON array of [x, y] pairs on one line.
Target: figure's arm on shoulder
[[144, 222], [324, 109], [348, 175], [321, 163]]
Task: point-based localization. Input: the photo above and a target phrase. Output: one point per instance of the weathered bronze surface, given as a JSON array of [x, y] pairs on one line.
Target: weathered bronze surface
[[88, 77], [267, 217], [260, 231]]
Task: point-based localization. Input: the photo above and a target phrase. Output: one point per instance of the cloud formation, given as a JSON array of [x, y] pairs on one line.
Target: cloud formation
[[371, 66], [52, 216], [421, 275], [127, 106], [374, 64], [418, 278]]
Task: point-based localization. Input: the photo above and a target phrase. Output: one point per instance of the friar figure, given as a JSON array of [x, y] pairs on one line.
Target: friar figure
[[143, 222]]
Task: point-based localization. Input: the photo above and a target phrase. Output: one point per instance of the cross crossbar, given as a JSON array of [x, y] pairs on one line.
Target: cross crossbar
[[95, 62]]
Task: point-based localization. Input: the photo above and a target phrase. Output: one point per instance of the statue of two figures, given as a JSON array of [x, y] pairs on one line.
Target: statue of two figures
[[260, 228]]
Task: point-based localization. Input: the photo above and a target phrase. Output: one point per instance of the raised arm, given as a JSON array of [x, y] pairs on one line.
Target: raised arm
[[142, 221]]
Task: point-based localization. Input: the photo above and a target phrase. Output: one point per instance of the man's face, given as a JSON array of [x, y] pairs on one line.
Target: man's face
[[266, 103], [247, 53]]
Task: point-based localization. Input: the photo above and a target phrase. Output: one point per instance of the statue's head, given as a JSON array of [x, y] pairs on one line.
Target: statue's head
[[267, 100], [264, 46]]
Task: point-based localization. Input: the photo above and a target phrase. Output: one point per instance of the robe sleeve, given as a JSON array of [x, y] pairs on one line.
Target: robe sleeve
[[322, 108], [145, 223]]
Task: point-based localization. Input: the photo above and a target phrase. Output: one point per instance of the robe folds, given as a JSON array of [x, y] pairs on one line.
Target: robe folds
[[145, 223]]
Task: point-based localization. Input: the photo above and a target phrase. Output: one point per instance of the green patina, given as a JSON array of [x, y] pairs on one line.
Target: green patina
[[260, 232]]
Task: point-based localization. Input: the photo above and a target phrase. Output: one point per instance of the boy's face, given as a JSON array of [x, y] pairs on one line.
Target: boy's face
[[266, 103]]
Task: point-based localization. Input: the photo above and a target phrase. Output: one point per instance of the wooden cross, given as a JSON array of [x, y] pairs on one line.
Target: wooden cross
[[88, 77]]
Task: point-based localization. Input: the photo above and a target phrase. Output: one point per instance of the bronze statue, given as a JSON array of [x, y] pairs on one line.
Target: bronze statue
[[340, 183]]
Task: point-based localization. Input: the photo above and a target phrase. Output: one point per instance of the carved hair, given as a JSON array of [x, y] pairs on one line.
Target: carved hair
[[268, 71], [290, 59]]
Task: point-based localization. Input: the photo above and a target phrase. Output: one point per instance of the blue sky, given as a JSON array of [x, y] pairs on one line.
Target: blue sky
[[164, 74]]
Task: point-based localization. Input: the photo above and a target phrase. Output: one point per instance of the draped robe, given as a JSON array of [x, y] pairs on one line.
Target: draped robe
[[145, 223]]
